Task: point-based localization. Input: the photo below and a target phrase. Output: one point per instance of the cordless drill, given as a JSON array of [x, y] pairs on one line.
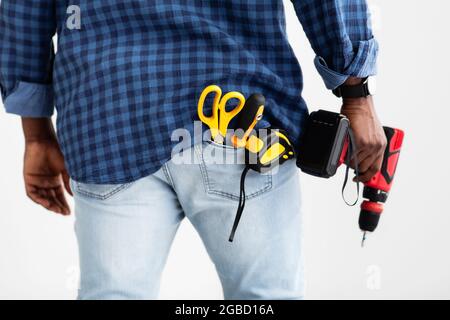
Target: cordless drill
[[377, 189], [327, 144]]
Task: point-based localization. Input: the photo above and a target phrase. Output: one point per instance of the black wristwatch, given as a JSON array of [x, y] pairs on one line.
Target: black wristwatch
[[354, 91]]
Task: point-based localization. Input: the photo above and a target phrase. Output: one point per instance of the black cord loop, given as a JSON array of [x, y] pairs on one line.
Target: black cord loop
[[351, 153], [241, 204]]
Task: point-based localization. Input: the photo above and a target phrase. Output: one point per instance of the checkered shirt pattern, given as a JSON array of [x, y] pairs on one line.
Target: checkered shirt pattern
[[133, 72]]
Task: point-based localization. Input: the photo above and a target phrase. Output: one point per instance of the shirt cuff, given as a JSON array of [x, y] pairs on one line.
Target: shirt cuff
[[32, 100], [363, 65]]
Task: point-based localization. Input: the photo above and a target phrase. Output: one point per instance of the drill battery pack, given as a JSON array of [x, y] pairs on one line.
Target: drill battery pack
[[323, 143]]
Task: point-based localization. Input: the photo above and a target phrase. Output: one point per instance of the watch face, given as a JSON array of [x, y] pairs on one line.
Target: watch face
[[372, 84]]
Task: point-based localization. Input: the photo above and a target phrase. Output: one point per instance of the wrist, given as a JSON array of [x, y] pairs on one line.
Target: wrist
[[360, 105], [38, 130], [353, 88], [361, 102]]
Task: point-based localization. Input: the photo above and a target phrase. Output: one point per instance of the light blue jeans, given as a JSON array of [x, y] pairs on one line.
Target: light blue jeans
[[125, 231]]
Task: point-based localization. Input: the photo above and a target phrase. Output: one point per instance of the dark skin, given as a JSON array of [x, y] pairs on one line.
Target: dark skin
[[369, 135], [46, 176], [44, 170]]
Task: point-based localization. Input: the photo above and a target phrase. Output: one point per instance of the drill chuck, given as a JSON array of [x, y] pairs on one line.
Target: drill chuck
[[371, 209], [370, 215]]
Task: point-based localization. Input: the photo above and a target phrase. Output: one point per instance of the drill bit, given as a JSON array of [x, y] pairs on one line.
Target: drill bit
[[363, 239]]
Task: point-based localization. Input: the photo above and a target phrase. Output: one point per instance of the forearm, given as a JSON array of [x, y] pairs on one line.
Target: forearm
[[352, 81], [38, 129]]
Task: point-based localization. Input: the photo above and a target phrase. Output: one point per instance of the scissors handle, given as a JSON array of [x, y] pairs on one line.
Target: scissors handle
[[220, 119], [226, 117], [213, 121]]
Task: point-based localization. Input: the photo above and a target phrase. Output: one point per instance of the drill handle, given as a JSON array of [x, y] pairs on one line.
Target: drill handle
[[384, 178]]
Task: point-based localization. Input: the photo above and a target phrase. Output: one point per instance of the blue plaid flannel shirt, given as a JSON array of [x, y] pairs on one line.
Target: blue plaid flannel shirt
[[132, 71]]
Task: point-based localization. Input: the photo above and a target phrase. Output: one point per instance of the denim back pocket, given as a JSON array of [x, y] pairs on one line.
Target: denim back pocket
[[97, 191], [221, 168]]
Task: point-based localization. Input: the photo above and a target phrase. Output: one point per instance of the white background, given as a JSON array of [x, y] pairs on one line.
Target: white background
[[408, 256]]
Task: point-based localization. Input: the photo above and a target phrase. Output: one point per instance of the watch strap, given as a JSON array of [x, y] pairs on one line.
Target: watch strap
[[353, 91]]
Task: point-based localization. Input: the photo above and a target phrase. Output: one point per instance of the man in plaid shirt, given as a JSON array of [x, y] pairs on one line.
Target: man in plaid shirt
[[125, 76]]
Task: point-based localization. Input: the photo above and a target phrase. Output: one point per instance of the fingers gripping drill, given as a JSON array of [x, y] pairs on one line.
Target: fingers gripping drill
[[328, 143], [377, 189]]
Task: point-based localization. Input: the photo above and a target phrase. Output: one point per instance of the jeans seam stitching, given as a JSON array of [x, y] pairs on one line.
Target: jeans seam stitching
[[166, 171], [207, 185], [267, 186], [202, 166], [102, 196]]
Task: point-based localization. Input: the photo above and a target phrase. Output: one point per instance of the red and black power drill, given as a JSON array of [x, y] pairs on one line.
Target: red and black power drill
[[328, 143], [376, 190]]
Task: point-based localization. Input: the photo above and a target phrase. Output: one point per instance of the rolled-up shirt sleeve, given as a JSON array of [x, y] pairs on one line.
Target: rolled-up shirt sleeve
[[26, 56], [341, 35]]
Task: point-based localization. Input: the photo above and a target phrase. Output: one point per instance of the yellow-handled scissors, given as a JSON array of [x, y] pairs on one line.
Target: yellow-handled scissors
[[220, 119]]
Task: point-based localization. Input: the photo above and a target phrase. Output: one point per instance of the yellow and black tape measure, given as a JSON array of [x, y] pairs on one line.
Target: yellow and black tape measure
[[267, 149]]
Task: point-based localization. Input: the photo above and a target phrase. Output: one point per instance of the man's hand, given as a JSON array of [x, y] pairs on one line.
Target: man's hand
[[369, 135], [44, 171]]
